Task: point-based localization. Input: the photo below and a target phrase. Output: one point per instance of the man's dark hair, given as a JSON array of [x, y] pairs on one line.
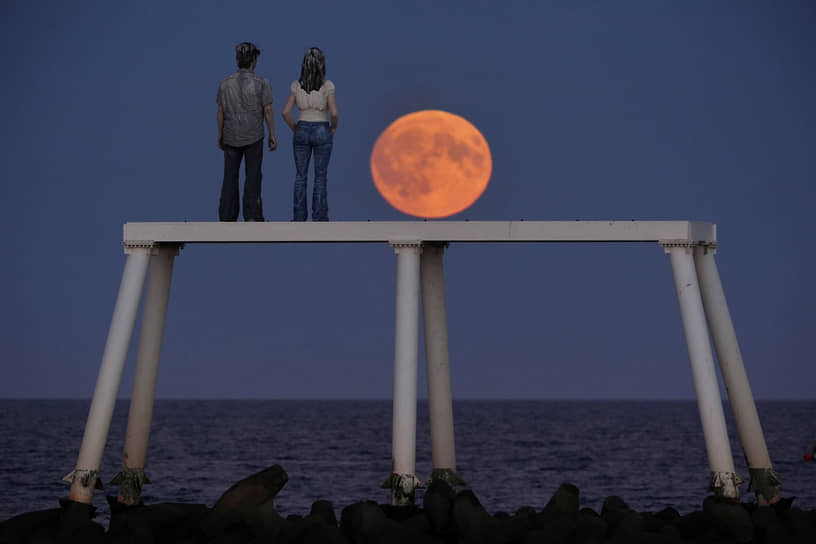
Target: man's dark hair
[[245, 54]]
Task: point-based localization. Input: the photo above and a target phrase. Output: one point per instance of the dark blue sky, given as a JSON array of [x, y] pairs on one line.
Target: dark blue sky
[[593, 110]]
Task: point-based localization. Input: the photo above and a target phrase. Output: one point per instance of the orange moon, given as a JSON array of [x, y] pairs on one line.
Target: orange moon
[[431, 164]]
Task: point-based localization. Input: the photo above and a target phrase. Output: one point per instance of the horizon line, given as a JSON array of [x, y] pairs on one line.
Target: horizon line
[[378, 399]]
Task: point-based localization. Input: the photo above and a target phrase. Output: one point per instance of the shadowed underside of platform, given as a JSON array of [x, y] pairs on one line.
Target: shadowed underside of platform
[[429, 231]]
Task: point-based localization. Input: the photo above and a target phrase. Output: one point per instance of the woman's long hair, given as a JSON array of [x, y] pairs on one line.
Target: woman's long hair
[[313, 70]]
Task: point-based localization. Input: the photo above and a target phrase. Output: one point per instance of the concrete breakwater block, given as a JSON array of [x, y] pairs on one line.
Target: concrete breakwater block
[[161, 522], [245, 514], [248, 506], [437, 504], [72, 522]]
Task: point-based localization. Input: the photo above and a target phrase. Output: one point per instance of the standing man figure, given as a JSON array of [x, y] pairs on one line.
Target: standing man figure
[[244, 102]]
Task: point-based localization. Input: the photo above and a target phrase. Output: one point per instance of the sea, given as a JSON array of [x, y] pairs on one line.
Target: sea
[[512, 453]]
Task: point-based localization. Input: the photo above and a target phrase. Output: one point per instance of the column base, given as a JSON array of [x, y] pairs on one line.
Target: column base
[[765, 483], [725, 484], [88, 478], [130, 482], [402, 488], [76, 523], [447, 475]]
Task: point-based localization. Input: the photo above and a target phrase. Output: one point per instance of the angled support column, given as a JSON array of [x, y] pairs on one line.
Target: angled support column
[[724, 480], [86, 475], [402, 480], [132, 476], [764, 480], [437, 360]]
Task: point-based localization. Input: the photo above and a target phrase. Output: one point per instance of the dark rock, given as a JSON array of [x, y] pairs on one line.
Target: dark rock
[[653, 523], [776, 533], [249, 502], [400, 513], [393, 532], [783, 504], [587, 511], [249, 517], [38, 526], [564, 500], [317, 532], [507, 528], [75, 523], [670, 534], [655, 538], [799, 521], [668, 515], [693, 525], [86, 533], [525, 516], [763, 516], [526, 511], [325, 511], [536, 536], [362, 521], [730, 518], [264, 520], [520, 523], [623, 523], [470, 519], [613, 511], [590, 528], [418, 522], [557, 527], [234, 534], [437, 504], [631, 527], [290, 530], [159, 523], [468, 514]]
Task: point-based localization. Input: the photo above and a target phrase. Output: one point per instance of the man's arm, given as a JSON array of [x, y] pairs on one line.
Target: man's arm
[[269, 115], [220, 117]]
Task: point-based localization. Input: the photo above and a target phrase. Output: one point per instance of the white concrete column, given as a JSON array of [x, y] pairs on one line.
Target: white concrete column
[[764, 480], [724, 480], [132, 476], [86, 475], [403, 481], [437, 360]]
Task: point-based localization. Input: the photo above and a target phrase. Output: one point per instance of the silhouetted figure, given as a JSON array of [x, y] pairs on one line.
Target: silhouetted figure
[[313, 134], [244, 102]]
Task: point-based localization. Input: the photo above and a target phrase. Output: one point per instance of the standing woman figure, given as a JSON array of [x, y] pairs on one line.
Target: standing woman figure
[[313, 133]]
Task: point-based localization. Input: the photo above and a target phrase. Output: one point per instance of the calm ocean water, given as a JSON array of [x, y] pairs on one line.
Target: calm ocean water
[[512, 453]]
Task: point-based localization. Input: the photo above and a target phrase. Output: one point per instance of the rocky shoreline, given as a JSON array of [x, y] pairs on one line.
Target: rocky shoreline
[[245, 514]]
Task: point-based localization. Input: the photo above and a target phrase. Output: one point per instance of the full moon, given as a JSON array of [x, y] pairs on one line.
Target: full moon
[[431, 164]]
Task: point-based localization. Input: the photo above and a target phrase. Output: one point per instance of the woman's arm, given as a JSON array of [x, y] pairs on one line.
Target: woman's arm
[[333, 112], [287, 112]]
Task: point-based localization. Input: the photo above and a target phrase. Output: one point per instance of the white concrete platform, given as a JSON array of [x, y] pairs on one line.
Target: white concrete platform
[[428, 231], [691, 247]]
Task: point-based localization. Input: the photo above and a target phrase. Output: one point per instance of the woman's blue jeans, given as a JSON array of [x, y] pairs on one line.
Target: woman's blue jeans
[[311, 138]]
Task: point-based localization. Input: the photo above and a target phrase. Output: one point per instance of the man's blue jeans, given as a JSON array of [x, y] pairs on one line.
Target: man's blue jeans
[[311, 138]]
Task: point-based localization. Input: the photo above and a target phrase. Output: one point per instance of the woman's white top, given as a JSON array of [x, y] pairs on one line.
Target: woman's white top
[[313, 106]]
